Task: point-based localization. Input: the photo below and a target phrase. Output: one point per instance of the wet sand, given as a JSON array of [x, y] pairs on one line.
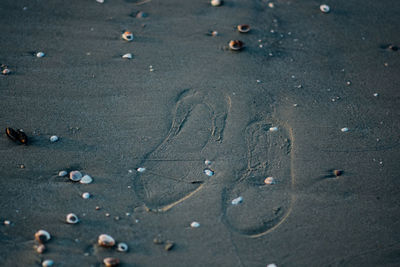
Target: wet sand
[[307, 73]]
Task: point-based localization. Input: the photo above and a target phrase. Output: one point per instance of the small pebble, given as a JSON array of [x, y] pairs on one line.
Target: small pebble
[[75, 176], [97, 208], [47, 263], [40, 54], [41, 249], [325, 8], [195, 225], [271, 5], [86, 195], [86, 179], [209, 172], [158, 241], [216, 2], [237, 200], [100, 1], [107, 214], [376, 94], [62, 173], [122, 247], [207, 162], [105, 240], [141, 14], [269, 181], [111, 262], [54, 138], [72, 218], [169, 245], [6, 71], [7, 222], [337, 172], [273, 129], [141, 169], [348, 83], [345, 129]]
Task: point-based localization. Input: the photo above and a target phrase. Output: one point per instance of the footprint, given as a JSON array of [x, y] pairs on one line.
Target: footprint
[[264, 207], [174, 169]]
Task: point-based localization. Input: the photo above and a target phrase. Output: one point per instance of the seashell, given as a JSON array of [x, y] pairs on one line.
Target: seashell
[[54, 138], [345, 129], [72, 218], [325, 8], [106, 240], [209, 172], [47, 263], [207, 162], [393, 47], [273, 129], [62, 173], [195, 225], [42, 236], [337, 172], [272, 265], [86, 195], [75, 176], [86, 179], [243, 28], [212, 33], [158, 240], [235, 45], [237, 200], [111, 262], [122, 247], [7, 222], [127, 56], [169, 245], [100, 1], [271, 5], [41, 249], [270, 181], [40, 54], [6, 71], [141, 14], [376, 94], [127, 36], [17, 135], [216, 2], [141, 169]]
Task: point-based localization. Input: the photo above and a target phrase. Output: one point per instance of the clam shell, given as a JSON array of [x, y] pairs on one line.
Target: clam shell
[[237, 200], [62, 173], [86, 195], [127, 36], [86, 179], [111, 262], [235, 45], [345, 129], [40, 54], [195, 225], [72, 218], [325, 8], [216, 2], [127, 56], [42, 236], [122, 247], [270, 181], [54, 138], [75, 176], [209, 172], [47, 263], [106, 240], [243, 28]]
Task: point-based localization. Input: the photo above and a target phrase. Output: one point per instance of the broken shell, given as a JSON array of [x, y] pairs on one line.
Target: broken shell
[[6, 71], [243, 28], [337, 172], [209, 172], [141, 169], [86, 179], [216, 2], [47, 263], [235, 45], [270, 180], [86, 195], [273, 129], [195, 225], [54, 138], [42, 236], [106, 240], [169, 245], [72, 218], [40, 249], [75, 176], [325, 8], [40, 54], [237, 200], [127, 56], [345, 129], [127, 36], [111, 262], [122, 247], [62, 173]]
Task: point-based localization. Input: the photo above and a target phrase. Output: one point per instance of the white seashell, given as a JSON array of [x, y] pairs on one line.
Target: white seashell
[[122, 247], [54, 138], [237, 200], [72, 218], [273, 129], [106, 240], [141, 169], [42, 236], [40, 54], [216, 2], [345, 129], [100, 1], [209, 172], [62, 173], [325, 8], [75, 176], [86, 179], [47, 263], [207, 162], [6, 71], [7, 222], [127, 36], [376, 94], [195, 224], [86, 195], [111, 262], [127, 56], [272, 265], [270, 180]]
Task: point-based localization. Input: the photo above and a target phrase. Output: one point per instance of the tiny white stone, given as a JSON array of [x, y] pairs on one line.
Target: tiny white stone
[[141, 169], [130, 171], [40, 54], [209, 172], [273, 129], [376, 94], [325, 8], [72, 218], [62, 173], [237, 200], [54, 138], [207, 162], [47, 263], [195, 224], [345, 129], [86, 195], [216, 2], [86, 179], [7, 222], [127, 56], [75, 176]]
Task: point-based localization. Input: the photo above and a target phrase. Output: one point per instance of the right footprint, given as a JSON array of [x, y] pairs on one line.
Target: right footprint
[[262, 206]]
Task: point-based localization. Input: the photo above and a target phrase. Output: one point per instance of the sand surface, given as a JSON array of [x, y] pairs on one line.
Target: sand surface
[[185, 98]]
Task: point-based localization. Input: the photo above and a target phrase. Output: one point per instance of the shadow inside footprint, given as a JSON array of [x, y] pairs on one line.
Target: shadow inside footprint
[[264, 206]]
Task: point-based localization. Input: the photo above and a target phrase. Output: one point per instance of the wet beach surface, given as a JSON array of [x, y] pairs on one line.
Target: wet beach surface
[[185, 98]]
